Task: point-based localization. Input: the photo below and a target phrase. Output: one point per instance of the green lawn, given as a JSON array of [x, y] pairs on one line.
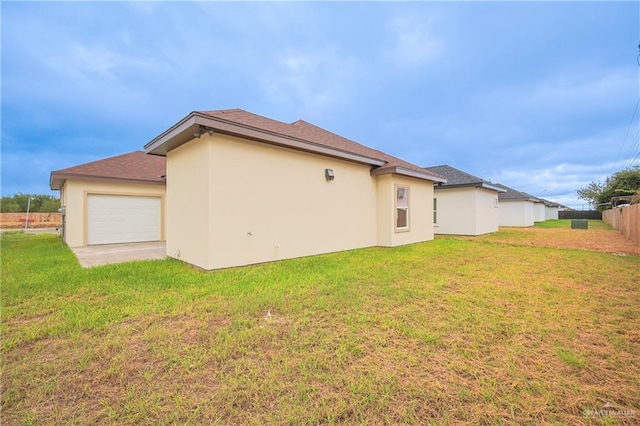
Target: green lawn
[[449, 331]]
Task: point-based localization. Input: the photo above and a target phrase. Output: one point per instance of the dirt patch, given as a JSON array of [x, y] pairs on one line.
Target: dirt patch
[[602, 240]]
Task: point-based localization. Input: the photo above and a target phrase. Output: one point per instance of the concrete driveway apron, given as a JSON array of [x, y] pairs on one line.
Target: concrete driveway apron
[[119, 253]]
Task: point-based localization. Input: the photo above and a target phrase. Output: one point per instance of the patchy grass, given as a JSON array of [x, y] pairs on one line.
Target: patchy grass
[[558, 234], [566, 224], [450, 331]]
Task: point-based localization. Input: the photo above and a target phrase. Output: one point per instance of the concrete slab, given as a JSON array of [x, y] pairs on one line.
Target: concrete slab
[[119, 253]]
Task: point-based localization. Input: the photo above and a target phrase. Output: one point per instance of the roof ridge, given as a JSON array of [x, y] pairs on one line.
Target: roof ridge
[[232, 110], [101, 160], [132, 166], [383, 156], [223, 111], [299, 130]]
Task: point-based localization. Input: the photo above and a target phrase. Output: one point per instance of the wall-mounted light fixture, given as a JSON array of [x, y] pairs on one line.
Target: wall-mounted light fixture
[[202, 130], [328, 174]]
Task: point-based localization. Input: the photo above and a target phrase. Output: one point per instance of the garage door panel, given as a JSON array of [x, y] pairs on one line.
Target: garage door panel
[[115, 219]]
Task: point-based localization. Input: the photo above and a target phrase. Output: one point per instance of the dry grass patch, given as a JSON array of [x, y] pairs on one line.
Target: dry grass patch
[[558, 234], [446, 332]]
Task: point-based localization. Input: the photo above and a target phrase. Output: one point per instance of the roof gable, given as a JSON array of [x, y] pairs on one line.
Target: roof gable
[[131, 167], [299, 135]]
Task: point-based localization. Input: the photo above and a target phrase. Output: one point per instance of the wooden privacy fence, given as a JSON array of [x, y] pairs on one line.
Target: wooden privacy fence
[[36, 219], [626, 220]]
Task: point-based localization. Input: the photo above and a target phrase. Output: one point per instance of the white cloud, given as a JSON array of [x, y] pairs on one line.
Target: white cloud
[[573, 90], [312, 81], [90, 61], [558, 182], [413, 40]]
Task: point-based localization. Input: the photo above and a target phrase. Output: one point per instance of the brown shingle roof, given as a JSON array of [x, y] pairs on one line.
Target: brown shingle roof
[[132, 167], [297, 135], [299, 129]]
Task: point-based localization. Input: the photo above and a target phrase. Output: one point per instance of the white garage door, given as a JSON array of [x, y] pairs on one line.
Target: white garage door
[[115, 219]]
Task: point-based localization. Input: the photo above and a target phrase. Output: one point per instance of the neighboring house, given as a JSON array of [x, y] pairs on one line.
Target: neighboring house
[[544, 209], [539, 209], [115, 200], [244, 189], [465, 204], [551, 209], [516, 208]]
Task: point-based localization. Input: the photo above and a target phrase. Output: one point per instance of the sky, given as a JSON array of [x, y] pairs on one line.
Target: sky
[[538, 96]]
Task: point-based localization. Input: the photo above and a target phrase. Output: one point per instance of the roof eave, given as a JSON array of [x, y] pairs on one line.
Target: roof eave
[[515, 199], [57, 180], [183, 132], [482, 185], [493, 187], [403, 171], [176, 135]]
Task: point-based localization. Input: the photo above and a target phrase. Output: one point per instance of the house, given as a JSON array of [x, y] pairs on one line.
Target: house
[[465, 204], [544, 209], [244, 189], [515, 208], [551, 209], [115, 200], [539, 209]]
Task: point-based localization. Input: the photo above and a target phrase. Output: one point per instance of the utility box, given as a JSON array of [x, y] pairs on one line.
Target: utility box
[[579, 224]]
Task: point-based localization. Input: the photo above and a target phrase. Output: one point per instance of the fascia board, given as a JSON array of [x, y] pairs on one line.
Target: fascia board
[[407, 172], [182, 132], [62, 178]]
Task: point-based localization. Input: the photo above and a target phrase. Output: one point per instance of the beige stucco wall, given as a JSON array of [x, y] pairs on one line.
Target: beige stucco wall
[[420, 211], [385, 210], [188, 224], [516, 213], [466, 211], [73, 196], [233, 202], [260, 203]]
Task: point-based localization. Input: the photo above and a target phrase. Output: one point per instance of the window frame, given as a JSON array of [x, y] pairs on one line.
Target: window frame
[[435, 210], [407, 208]]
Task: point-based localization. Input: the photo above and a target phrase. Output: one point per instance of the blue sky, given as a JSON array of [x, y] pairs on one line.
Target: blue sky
[[536, 96]]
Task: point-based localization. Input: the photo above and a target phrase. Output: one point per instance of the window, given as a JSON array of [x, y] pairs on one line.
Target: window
[[402, 208], [435, 210]]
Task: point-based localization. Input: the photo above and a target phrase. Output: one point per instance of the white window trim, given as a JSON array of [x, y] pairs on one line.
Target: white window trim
[[435, 210], [408, 208]]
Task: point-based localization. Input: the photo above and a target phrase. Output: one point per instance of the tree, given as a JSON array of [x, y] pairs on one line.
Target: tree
[[591, 193], [623, 183], [40, 203], [50, 205]]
